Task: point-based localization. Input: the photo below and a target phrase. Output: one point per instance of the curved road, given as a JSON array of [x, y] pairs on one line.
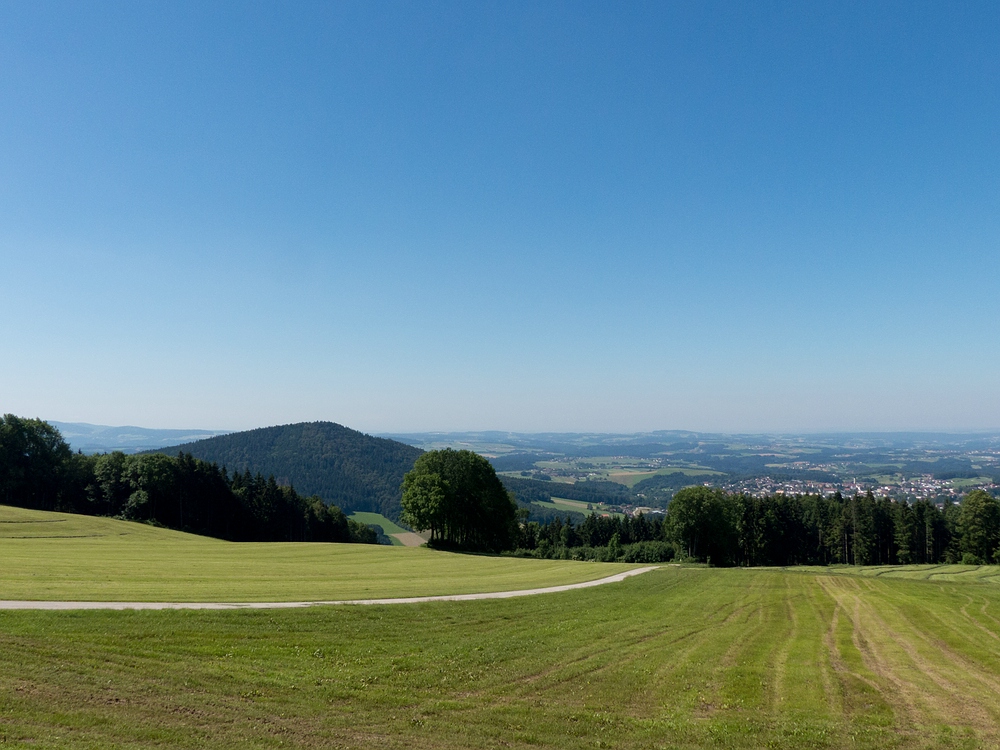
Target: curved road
[[12, 604]]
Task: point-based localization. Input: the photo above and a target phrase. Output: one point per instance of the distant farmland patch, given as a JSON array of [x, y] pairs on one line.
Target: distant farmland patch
[[578, 506], [632, 478]]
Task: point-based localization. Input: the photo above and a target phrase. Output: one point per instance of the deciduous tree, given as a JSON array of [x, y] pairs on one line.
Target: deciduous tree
[[457, 496]]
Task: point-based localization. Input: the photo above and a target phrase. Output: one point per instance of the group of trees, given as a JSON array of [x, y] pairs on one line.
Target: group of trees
[[38, 470], [604, 538], [457, 496], [708, 525], [711, 525]]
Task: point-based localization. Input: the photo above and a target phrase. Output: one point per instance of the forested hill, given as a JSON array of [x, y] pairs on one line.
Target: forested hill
[[343, 466]]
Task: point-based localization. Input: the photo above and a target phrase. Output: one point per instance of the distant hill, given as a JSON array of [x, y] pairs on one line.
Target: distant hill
[[354, 471], [101, 438]]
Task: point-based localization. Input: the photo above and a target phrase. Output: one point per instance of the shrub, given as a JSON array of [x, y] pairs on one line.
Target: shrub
[[648, 552]]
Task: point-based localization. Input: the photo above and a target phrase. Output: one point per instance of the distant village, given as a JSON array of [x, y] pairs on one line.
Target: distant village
[[924, 487], [939, 491]]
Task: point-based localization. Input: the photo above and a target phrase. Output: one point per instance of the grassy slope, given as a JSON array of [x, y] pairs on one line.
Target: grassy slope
[[62, 556], [377, 519], [678, 658]]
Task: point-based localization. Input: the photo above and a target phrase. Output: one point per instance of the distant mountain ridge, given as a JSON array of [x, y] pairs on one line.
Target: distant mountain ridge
[[101, 438], [350, 469]]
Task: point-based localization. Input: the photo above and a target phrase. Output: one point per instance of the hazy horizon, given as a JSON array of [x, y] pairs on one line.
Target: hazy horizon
[[748, 433]]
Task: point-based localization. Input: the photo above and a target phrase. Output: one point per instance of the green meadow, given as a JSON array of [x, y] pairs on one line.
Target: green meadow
[[682, 657], [377, 519], [676, 658], [65, 556]]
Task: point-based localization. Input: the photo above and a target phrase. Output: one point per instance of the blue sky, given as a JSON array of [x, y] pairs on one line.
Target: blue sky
[[525, 216]]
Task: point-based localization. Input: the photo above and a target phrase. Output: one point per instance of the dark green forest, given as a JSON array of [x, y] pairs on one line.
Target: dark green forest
[[38, 470], [708, 525], [354, 471]]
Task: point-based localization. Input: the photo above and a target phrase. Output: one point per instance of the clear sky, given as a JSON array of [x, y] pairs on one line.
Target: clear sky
[[522, 216]]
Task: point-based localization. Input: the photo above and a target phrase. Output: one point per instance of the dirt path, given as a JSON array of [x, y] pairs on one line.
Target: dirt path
[[409, 539], [11, 604]]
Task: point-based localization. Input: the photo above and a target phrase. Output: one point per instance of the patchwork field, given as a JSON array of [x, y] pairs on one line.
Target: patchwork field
[[632, 478], [577, 506], [64, 556]]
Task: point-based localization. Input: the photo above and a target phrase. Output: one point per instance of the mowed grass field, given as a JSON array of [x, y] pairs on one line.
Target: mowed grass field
[[682, 657], [676, 658], [70, 557], [938, 573]]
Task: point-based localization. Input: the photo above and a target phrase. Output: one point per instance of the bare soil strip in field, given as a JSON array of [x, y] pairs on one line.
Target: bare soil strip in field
[[54, 605]]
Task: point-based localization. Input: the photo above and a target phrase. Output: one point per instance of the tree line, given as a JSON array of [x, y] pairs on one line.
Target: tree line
[[709, 525], [38, 470]]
